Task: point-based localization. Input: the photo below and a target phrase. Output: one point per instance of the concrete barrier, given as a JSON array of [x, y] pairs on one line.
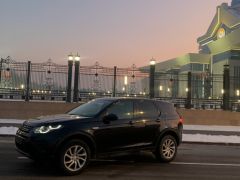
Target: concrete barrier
[[26, 110], [210, 117]]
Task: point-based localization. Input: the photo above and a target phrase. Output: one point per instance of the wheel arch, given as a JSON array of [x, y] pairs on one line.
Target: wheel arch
[[168, 132], [79, 136]]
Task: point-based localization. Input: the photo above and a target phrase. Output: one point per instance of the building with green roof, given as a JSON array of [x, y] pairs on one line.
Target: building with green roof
[[219, 46]]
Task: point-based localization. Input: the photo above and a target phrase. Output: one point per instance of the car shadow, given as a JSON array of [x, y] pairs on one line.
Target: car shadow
[[49, 169]]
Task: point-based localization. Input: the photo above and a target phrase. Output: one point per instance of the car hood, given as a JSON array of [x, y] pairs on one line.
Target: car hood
[[54, 119]]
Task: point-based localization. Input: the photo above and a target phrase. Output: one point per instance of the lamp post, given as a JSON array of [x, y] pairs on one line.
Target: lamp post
[[1, 62], [151, 78], [189, 91], [226, 87], [114, 80], [69, 82], [76, 79]]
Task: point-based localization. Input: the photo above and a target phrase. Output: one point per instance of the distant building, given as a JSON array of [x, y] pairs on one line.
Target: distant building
[[219, 46]]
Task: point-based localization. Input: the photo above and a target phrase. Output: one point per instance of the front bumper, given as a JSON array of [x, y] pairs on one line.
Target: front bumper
[[36, 146], [32, 148]]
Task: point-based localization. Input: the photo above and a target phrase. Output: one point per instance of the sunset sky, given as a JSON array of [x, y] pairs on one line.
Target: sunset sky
[[112, 32]]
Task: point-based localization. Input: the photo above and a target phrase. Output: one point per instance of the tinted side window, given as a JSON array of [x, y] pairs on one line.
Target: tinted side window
[[122, 109], [145, 109]]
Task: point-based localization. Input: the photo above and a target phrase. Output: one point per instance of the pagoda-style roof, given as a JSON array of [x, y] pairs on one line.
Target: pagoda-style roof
[[227, 17]]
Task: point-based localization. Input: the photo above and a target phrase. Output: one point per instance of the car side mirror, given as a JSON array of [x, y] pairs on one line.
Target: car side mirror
[[110, 117]]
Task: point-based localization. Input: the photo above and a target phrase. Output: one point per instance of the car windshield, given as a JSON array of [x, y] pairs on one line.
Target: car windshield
[[91, 108]]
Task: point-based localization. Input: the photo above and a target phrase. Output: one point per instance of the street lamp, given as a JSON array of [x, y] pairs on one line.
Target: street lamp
[[188, 104], [76, 79], [69, 82], [152, 62], [76, 60], [151, 77], [1, 63], [70, 57]]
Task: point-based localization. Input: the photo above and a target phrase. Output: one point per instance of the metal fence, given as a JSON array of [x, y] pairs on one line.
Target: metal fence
[[98, 81], [50, 81], [12, 79], [206, 90]]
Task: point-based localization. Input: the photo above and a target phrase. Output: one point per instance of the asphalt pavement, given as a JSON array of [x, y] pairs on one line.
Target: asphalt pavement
[[193, 162]]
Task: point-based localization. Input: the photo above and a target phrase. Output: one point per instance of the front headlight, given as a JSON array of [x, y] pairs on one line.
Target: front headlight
[[46, 129]]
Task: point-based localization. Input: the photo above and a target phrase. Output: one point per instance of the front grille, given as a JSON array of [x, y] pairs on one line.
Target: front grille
[[26, 128], [24, 131]]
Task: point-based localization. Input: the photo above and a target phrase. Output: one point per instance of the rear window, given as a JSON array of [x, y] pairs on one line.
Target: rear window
[[145, 109], [168, 109]]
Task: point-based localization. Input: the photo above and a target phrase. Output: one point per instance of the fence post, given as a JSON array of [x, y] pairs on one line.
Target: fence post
[[69, 82], [1, 70], [114, 80], [226, 87], [151, 79], [27, 97], [76, 82], [189, 92]]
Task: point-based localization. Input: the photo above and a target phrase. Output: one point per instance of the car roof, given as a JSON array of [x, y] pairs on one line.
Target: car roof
[[132, 98]]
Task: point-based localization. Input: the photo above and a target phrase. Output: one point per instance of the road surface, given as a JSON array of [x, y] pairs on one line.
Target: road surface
[[194, 161]]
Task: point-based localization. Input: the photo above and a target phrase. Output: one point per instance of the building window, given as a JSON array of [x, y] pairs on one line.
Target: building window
[[197, 67]]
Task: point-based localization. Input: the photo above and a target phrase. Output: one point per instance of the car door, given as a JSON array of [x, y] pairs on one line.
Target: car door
[[117, 134], [146, 113]]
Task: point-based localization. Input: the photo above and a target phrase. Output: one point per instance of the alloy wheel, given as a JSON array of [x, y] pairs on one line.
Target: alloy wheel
[[168, 148], [75, 158]]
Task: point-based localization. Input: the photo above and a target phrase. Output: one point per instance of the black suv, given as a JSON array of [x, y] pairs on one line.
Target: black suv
[[100, 127]]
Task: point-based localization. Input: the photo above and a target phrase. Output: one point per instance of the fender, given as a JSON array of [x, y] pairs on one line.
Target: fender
[[78, 135], [171, 131]]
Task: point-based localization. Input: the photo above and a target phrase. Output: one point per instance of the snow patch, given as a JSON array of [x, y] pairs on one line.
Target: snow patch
[[8, 130], [210, 138], [11, 121], [212, 128]]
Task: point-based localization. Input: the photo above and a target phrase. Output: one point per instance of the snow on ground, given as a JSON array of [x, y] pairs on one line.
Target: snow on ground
[[185, 127], [11, 121], [211, 138], [8, 130], [212, 128], [186, 137]]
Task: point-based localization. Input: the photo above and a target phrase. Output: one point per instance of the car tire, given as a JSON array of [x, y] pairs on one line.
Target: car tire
[[73, 157], [167, 149]]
